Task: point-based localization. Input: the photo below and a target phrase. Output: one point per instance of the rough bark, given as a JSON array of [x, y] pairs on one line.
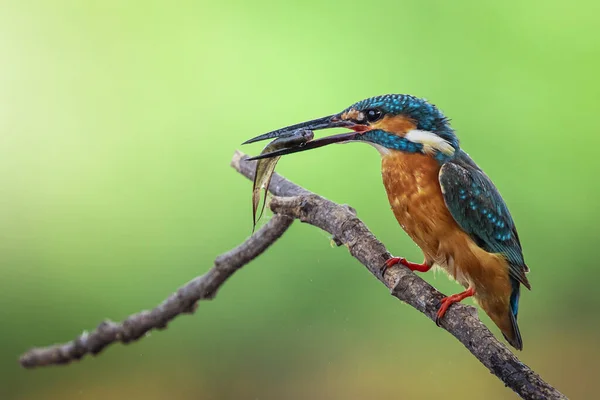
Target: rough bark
[[183, 301], [294, 202], [460, 320]]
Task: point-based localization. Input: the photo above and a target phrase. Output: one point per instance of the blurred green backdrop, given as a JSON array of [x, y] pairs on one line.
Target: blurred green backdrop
[[117, 123]]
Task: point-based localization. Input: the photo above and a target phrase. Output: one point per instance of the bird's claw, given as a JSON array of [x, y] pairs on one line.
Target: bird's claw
[[438, 320], [444, 304], [390, 262], [449, 300]]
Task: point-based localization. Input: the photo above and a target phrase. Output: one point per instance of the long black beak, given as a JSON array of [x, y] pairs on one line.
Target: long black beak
[[332, 121]]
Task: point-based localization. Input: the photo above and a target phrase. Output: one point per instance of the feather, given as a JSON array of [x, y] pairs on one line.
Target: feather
[[480, 211]]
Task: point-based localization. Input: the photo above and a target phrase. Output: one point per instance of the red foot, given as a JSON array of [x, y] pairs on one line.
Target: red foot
[[448, 301], [410, 265]]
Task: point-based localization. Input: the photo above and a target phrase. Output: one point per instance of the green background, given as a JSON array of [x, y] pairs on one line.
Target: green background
[[117, 124]]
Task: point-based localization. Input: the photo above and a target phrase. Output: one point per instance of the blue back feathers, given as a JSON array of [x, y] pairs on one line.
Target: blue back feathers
[[480, 211]]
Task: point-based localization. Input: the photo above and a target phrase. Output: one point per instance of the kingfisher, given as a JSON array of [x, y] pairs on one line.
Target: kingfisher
[[439, 196]]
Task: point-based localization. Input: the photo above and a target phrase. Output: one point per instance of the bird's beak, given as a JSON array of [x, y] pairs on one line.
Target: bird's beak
[[332, 121]]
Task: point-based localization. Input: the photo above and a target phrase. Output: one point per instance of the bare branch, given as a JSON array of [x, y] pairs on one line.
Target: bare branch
[[460, 320], [183, 301], [340, 221]]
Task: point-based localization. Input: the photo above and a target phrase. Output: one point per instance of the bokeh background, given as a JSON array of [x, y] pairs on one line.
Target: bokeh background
[[117, 124]]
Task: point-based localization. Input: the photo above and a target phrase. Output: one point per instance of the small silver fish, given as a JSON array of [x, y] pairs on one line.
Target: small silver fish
[[266, 167]]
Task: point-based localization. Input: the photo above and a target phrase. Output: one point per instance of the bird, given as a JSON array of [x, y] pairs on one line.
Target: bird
[[440, 197]]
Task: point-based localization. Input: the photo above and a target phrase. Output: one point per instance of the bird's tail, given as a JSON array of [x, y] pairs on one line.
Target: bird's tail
[[505, 317], [513, 335]]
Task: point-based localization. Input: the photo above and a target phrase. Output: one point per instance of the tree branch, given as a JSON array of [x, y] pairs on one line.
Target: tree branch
[[340, 221], [183, 301], [460, 320]]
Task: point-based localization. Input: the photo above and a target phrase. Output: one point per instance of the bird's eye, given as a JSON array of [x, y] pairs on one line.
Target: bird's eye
[[373, 114]]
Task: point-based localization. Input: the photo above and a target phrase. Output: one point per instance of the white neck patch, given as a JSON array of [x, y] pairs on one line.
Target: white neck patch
[[430, 141]]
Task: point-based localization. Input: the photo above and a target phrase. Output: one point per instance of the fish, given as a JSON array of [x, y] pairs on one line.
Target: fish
[[266, 167]]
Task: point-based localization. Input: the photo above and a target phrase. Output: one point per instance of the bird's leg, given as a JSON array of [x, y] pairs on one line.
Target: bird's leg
[[448, 301], [423, 267]]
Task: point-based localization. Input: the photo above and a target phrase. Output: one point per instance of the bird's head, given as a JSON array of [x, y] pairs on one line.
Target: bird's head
[[393, 122]]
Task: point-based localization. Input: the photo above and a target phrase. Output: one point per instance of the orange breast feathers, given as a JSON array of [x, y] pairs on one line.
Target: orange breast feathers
[[413, 189], [414, 192]]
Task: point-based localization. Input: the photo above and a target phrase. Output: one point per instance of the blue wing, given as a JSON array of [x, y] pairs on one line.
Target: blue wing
[[480, 211]]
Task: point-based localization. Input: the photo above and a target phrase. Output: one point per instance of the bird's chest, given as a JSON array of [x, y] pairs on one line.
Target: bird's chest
[[413, 189]]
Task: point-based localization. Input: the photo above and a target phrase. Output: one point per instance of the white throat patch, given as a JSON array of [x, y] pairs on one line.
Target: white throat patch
[[384, 151], [430, 141]]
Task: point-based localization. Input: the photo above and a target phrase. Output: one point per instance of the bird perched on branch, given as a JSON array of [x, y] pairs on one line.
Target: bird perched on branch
[[440, 197]]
